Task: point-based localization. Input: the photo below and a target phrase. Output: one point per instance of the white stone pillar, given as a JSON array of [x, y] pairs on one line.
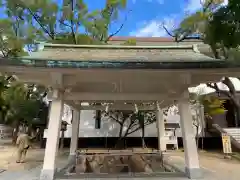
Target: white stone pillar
[[160, 130], [52, 142], [192, 167], [75, 135]]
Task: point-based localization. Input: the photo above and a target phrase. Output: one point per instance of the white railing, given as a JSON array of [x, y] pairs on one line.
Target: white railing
[[234, 132], [221, 130]]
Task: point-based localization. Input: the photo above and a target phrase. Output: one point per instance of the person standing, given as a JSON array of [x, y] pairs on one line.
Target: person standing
[[23, 144]]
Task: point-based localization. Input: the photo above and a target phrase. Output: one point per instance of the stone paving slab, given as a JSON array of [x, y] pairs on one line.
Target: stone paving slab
[[32, 174], [213, 169]]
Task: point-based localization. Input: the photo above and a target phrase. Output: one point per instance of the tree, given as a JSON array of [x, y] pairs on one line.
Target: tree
[[130, 122], [4, 86], [130, 42], [20, 103], [231, 94], [205, 107], [199, 26], [100, 25], [28, 21], [63, 129], [226, 19], [48, 20], [145, 118], [205, 25], [10, 44]]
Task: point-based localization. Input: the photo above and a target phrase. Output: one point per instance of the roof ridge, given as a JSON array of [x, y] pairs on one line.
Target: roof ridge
[[116, 46]]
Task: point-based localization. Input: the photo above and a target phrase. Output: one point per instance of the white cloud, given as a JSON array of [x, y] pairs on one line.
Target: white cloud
[[194, 5], [154, 28]]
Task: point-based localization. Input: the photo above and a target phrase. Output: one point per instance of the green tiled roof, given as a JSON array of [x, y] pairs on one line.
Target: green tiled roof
[[66, 52], [118, 57]]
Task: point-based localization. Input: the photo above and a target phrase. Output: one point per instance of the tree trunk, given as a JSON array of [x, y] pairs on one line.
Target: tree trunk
[[143, 135], [214, 50], [41, 135], [30, 129], [203, 133], [233, 97], [119, 143], [197, 136], [62, 140], [202, 121], [15, 133], [237, 115], [2, 120]]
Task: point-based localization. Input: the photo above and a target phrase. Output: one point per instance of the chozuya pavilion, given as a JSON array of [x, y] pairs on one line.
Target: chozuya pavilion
[[117, 74]]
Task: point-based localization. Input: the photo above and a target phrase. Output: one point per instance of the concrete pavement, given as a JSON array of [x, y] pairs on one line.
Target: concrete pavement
[[214, 167]]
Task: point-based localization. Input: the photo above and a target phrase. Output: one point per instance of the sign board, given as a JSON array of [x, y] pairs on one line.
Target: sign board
[[226, 141]]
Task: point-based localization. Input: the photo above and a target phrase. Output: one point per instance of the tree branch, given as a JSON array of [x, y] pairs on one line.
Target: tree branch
[[41, 25], [229, 84], [206, 6], [36, 18], [168, 32], [118, 30], [116, 119], [72, 24], [63, 23], [183, 36], [146, 124], [219, 91]]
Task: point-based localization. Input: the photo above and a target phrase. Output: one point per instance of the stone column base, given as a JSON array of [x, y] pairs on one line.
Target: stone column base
[[72, 159], [47, 174], [193, 173], [71, 164]]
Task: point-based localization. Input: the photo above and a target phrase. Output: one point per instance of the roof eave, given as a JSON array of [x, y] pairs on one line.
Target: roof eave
[[50, 45]]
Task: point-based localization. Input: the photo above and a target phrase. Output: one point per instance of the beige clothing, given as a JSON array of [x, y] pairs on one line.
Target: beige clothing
[[21, 155], [23, 143]]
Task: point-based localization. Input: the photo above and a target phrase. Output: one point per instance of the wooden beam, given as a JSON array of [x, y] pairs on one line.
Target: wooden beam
[[150, 97], [119, 107], [122, 106]]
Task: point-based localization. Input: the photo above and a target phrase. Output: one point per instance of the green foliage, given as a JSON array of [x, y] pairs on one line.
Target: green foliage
[[4, 83], [212, 105], [229, 35], [130, 42], [10, 44], [195, 22], [68, 22], [19, 103], [28, 21], [98, 26], [80, 38], [217, 25]]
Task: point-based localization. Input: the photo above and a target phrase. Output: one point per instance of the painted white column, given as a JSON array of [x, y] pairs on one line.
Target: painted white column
[[192, 167], [161, 131], [52, 142], [75, 134]]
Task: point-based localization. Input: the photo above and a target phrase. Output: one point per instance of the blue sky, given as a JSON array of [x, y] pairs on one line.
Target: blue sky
[[147, 16]]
